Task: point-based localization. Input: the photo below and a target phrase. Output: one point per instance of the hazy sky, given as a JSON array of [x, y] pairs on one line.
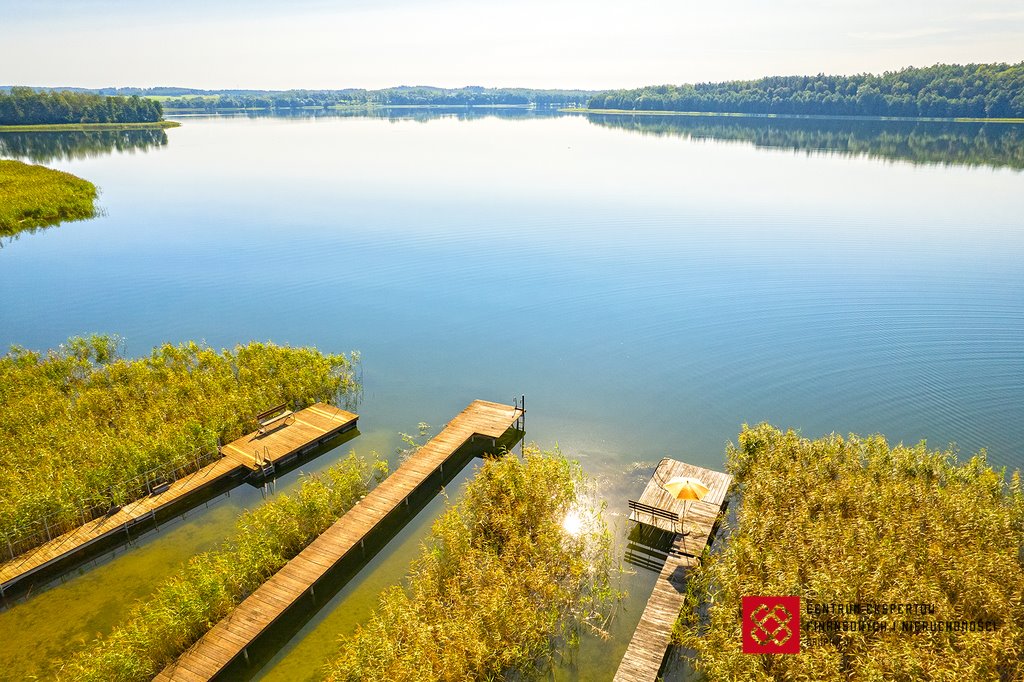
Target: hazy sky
[[555, 43]]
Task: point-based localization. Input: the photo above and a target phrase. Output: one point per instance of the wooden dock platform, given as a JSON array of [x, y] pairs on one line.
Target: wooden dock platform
[[310, 428], [229, 638], [304, 430], [646, 651]]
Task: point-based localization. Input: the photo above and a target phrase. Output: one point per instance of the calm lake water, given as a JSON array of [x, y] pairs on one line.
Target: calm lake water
[[649, 283]]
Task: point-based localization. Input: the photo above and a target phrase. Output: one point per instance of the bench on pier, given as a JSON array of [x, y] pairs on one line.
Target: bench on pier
[[274, 417], [641, 508]]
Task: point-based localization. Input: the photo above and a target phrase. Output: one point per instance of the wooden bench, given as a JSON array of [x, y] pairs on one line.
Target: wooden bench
[[640, 508], [272, 418]]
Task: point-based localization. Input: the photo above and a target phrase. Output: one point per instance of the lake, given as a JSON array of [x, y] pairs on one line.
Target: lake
[[649, 283]]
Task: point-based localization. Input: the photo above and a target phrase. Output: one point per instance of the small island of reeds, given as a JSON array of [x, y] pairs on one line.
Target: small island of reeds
[[35, 197], [855, 522]]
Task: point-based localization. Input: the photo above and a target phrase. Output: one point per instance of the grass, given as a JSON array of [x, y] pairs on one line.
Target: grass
[[63, 127], [32, 197], [839, 521], [80, 425], [501, 586], [158, 629]]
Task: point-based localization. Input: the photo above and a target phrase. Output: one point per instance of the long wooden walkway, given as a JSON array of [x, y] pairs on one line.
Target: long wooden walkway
[[310, 428], [646, 652], [229, 638]]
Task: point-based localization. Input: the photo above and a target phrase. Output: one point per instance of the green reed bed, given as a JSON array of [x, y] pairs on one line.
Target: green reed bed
[[33, 196], [157, 630], [500, 587], [81, 427], [840, 521]]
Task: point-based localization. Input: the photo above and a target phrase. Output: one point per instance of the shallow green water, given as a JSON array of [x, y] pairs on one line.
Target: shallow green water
[[649, 285]]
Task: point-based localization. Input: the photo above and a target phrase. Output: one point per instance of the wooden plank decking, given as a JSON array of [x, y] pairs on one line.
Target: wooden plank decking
[[229, 638], [310, 427], [304, 430], [123, 521], [646, 651], [647, 648]]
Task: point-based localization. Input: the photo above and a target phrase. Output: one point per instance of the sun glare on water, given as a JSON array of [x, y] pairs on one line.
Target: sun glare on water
[[573, 523]]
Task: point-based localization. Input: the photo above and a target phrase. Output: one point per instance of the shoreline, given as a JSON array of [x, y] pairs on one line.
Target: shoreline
[[355, 107], [811, 117], [60, 127]]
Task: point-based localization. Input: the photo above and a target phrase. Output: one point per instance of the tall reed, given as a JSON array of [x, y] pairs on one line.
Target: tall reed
[[80, 425], [35, 197], [840, 521], [501, 586], [158, 629]]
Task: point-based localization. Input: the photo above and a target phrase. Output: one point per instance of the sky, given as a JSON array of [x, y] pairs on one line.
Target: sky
[[589, 44]]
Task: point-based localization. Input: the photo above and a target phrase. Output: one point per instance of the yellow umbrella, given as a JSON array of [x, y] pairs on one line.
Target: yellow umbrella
[[685, 488]]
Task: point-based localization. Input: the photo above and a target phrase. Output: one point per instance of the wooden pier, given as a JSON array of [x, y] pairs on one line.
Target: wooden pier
[[230, 638], [646, 652], [302, 432], [311, 427]]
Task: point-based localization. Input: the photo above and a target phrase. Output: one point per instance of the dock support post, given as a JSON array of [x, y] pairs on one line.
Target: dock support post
[[522, 425], [245, 653]]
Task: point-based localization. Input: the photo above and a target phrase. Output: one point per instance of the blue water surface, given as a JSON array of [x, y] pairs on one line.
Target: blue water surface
[[648, 294]]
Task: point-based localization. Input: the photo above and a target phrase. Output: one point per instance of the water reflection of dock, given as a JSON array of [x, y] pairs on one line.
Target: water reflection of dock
[[297, 582], [673, 536]]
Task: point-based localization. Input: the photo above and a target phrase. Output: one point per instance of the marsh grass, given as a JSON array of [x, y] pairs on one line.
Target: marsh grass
[[499, 588], [65, 127], [32, 197], [80, 425], [158, 629], [854, 520]]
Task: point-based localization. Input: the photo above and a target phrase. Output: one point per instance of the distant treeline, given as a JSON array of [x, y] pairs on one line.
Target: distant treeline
[[997, 145], [940, 91], [208, 100], [126, 92], [26, 106], [404, 95]]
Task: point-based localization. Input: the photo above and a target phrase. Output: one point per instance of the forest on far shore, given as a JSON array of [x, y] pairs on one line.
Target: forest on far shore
[[940, 91], [27, 106]]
